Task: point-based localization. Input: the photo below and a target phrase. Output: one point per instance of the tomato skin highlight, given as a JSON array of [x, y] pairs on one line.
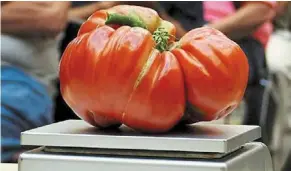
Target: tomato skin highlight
[[112, 74]]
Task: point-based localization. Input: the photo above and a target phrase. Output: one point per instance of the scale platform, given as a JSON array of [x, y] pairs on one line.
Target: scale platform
[[73, 145]]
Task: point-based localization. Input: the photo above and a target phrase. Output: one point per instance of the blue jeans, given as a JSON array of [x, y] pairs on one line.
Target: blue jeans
[[25, 104]]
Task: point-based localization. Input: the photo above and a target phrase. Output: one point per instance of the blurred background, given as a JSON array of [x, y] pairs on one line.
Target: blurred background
[[35, 34]]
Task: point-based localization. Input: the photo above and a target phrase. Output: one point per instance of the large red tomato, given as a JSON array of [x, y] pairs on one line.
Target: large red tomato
[[124, 67]]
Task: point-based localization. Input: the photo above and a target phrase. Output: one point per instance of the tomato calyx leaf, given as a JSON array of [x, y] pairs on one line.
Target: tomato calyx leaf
[[161, 37]]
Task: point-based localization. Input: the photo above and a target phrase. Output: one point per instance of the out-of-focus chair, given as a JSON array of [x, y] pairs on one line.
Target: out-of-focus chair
[[274, 127], [279, 62]]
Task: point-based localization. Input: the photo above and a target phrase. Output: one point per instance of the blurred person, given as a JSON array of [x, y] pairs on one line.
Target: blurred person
[[278, 49], [279, 60], [29, 66], [280, 41]]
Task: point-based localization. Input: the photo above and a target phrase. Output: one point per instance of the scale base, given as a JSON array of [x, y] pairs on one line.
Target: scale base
[[251, 157]]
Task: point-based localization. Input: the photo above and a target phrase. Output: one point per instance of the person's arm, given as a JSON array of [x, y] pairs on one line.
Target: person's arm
[[246, 20], [34, 18], [83, 12], [282, 6]]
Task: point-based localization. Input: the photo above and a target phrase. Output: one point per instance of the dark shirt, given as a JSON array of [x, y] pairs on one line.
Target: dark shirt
[[189, 14], [81, 3]]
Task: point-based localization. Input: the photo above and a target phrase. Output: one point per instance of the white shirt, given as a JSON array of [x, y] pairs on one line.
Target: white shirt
[[38, 57]]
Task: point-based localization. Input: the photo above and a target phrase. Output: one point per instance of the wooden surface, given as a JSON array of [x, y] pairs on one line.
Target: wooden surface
[[8, 167]]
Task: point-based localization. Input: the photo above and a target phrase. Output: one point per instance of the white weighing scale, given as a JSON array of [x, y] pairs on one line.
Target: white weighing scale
[[74, 145]]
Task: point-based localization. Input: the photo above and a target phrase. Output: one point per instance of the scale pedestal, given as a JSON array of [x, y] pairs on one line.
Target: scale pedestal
[[74, 145]]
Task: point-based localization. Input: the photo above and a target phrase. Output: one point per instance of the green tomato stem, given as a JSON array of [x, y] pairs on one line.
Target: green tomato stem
[[130, 20]]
